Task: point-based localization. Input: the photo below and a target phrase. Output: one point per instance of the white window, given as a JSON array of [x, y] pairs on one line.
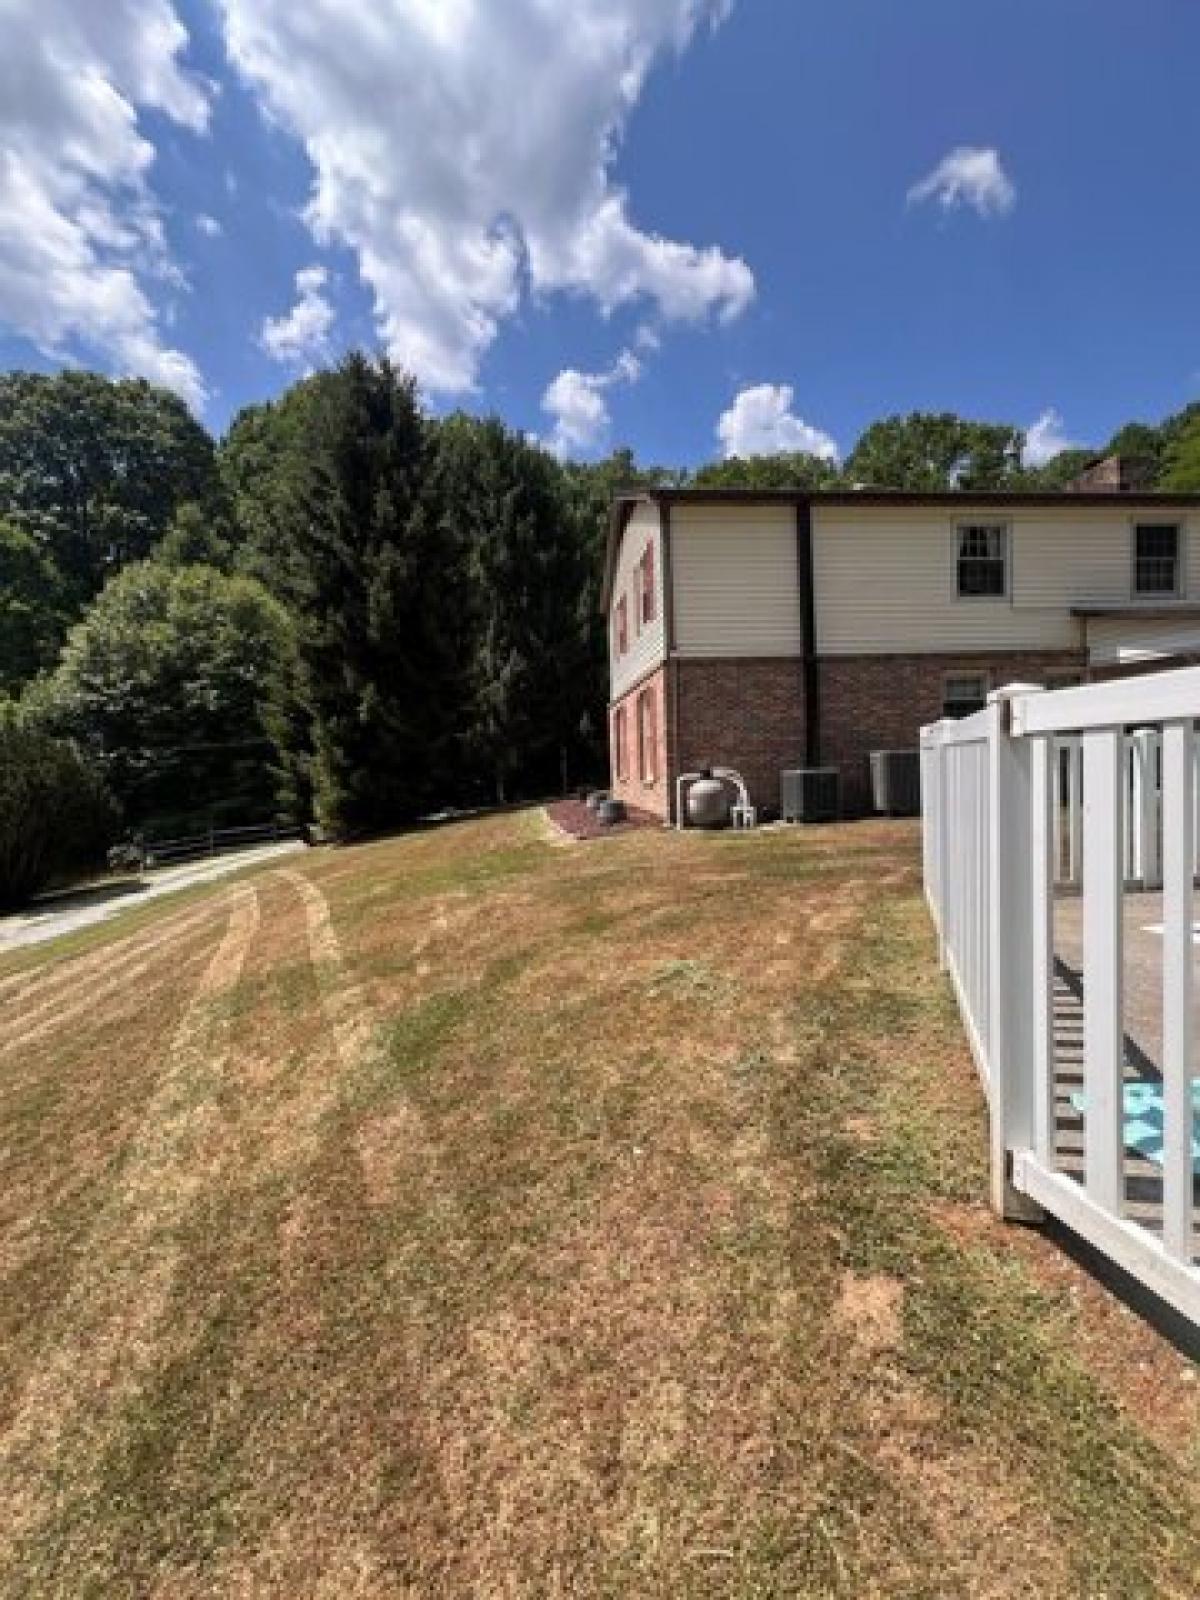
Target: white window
[[964, 693], [1156, 558], [982, 561]]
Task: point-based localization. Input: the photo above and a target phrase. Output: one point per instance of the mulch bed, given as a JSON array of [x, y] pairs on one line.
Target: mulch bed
[[574, 818]]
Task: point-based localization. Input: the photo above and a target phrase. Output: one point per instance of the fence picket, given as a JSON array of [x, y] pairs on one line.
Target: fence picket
[[1178, 814], [1075, 811], [1103, 884], [1044, 780]]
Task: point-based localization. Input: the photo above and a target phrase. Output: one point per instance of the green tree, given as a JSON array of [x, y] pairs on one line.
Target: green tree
[[1181, 463], [55, 814], [162, 684], [1058, 472], [94, 470], [199, 536], [787, 470], [1141, 442], [34, 609], [928, 452], [259, 461], [357, 556], [506, 517]]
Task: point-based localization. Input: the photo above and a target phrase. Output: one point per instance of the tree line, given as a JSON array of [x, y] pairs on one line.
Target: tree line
[[347, 609]]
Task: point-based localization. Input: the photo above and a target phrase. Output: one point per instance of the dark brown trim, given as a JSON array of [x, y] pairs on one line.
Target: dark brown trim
[[1063, 499], [1131, 611], [668, 580], [671, 684], [808, 634]]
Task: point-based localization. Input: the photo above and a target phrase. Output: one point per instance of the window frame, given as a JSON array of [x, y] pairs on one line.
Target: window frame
[[982, 676], [1180, 588], [1004, 529]]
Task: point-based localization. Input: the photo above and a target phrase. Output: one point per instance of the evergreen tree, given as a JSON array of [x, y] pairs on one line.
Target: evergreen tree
[[365, 576], [503, 507]]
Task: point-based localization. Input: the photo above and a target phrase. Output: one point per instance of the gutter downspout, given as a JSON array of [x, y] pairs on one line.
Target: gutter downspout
[[672, 666], [810, 666]]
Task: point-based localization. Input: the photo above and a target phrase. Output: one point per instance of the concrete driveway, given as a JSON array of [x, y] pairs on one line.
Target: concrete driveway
[[73, 909]]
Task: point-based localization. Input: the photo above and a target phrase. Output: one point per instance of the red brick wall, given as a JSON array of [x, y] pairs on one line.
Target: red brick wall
[[747, 714], [632, 788], [881, 702]]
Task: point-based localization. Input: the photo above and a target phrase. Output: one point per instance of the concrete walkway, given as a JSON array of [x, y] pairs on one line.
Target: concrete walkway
[[73, 909]]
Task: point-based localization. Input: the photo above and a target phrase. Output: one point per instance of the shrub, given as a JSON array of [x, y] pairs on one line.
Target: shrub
[[56, 817]]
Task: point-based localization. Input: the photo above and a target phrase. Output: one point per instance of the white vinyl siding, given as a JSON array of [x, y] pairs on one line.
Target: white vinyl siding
[[647, 645], [736, 581], [1116, 641], [886, 579]]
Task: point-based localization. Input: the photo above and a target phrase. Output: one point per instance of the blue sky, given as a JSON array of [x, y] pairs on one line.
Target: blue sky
[[691, 226]]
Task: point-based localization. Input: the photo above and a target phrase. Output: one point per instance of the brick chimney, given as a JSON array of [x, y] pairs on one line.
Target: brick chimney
[[1114, 475]]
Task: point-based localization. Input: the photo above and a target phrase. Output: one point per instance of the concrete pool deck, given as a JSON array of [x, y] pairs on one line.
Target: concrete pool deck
[[1143, 948]]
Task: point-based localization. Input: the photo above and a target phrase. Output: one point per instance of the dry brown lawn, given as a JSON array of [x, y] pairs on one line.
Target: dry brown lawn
[[472, 1215]]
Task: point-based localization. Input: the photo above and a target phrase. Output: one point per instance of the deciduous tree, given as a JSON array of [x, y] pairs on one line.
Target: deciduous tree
[[162, 683]]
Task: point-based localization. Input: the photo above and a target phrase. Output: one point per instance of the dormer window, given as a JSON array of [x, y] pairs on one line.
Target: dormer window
[[982, 571], [1156, 559]]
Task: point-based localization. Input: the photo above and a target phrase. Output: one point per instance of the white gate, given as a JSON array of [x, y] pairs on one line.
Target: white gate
[[1091, 790]]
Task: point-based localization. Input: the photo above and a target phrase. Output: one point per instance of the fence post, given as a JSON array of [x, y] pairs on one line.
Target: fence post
[[942, 769], [1012, 958], [1143, 823]]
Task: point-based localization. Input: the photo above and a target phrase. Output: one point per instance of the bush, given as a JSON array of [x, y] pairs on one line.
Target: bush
[[56, 817]]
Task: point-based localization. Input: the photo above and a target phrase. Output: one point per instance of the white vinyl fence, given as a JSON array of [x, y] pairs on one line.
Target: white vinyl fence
[[1084, 793]]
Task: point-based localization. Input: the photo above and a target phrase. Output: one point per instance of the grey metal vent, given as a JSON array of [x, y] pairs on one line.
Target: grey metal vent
[[896, 782], [811, 794]]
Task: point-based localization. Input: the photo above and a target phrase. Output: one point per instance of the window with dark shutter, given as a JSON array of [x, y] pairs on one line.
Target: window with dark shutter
[[1156, 558]]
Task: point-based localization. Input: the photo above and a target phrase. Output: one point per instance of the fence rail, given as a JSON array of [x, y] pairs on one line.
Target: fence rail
[[216, 841], [1090, 795]]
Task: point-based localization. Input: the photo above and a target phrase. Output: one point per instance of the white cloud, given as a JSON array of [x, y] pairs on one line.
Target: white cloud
[[576, 400], [81, 239], [303, 334], [209, 226], [968, 176], [1045, 439], [761, 422], [463, 150]]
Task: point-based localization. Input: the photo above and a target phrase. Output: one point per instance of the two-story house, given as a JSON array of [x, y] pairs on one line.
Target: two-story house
[[776, 629]]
